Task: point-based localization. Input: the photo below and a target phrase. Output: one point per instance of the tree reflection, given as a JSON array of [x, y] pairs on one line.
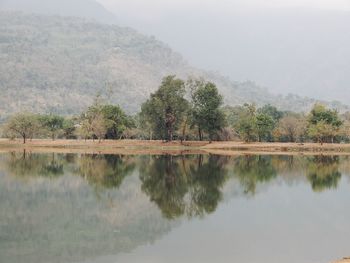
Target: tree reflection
[[32, 165], [323, 172], [105, 171], [101, 171], [253, 169], [183, 185]]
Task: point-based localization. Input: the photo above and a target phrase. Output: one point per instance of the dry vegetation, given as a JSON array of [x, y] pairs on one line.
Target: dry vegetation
[[175, 147]]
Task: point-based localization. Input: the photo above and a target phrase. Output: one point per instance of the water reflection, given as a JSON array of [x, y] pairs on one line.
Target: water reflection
[[252, 170], [180, 185], [323, 172], [27, 165], [184, 185], [50, 211], [104, 171]]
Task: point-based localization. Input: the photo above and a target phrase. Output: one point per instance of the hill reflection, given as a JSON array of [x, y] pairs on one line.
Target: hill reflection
[[73, 207]]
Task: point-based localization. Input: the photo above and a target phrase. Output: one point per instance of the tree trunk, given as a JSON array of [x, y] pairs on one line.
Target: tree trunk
[[24, 138], [184, 132], [200, 134], [170, 134]]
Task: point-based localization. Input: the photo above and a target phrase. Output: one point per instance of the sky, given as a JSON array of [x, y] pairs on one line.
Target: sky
[[287, 46], [157, 7]]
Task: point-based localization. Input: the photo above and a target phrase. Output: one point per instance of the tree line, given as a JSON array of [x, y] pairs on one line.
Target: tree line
[[185, 110]]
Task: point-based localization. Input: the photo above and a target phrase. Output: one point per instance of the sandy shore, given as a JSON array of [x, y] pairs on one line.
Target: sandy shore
[[176, 147], [345, 260]]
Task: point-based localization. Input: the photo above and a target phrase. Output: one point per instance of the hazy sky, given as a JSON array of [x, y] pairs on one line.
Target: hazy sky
[[157, 7]]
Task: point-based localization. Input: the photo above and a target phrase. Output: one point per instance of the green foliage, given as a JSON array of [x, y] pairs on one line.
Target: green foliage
[[206, 112], [22, 124], [324, 124], [271, 111], [52, 123], [247, 125], [264, 127], [166, 108], [69, 129], [118, 121]]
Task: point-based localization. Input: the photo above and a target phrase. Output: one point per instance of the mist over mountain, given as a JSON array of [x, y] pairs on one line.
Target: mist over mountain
[[51, 63], [289, 50], [59, 64], [78, 8]]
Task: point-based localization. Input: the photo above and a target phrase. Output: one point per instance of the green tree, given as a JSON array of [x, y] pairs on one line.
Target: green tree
[[118, 121], [324, 124], [206, 111], [93, 122], [52, 123], [22, 124], [69, 129], [246, 124], [271, 111], [264, 127], [166, 107]]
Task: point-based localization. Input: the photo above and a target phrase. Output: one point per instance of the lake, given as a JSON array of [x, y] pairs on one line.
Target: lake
[[88, 208]]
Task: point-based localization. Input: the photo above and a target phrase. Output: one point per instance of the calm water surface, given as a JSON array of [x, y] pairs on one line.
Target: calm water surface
[[196, 208]]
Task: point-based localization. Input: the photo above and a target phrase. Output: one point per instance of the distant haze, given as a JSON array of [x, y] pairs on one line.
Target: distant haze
[[294, 46], [299, 46], [81, 8]]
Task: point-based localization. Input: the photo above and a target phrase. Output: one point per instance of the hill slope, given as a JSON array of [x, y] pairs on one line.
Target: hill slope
[[300, 50], [77, 8], [59, 64]]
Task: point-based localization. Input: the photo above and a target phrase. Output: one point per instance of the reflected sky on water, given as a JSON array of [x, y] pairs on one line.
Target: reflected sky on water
[[192, 208]]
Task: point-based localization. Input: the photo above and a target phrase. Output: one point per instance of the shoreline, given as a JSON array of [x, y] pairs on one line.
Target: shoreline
[[176, 147]]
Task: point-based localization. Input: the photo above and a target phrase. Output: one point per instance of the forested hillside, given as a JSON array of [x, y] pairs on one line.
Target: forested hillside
[[59, 64], [90, 9]]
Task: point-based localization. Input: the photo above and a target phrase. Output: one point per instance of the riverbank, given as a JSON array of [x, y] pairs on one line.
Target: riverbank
[[158, 147], [344, 260]]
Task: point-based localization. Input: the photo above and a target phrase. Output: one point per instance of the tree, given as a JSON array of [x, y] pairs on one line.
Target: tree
[[118, 121], [291, 127], [93, 122], [69, 129], [23, 124], [271, 111], [52, 123], [246, 124], [206, 103], [264, 127], [166, 107], [324, 124], [99, 126], [85, 129]]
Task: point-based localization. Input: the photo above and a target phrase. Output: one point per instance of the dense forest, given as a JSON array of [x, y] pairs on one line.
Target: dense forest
[[185, 110], [53, 64]]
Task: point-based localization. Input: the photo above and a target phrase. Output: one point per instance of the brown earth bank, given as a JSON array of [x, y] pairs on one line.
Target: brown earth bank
[[175, 147], [344, 260]]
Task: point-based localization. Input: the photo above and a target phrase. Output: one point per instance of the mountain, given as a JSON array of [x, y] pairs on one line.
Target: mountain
[[59, 64], [289, 50], [77, 8]]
